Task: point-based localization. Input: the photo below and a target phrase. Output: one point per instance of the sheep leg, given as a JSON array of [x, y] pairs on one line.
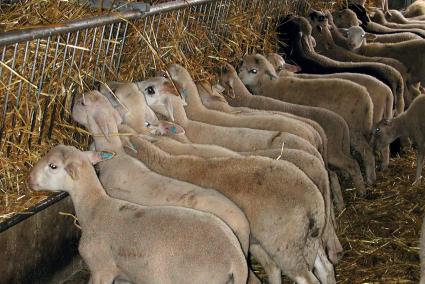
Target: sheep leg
[[336, 191], [323, 268], [385, 158], [252, 278], [419, 162], [307, 278], [332, 243], [349, 165], [363, 148], [272, 270]]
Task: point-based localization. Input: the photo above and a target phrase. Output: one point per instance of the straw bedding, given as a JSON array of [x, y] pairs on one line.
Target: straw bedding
[[379, 233]]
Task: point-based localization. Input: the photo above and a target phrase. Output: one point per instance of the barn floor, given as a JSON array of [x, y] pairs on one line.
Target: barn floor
[[379, 233]]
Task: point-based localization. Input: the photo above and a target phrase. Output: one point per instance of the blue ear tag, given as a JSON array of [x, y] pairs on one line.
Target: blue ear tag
[[106, 155], [184, 93], [173, 130]]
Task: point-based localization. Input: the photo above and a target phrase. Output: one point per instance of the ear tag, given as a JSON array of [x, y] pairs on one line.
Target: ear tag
[[106, 155], [183, 95], [173, 130], [270, 77]]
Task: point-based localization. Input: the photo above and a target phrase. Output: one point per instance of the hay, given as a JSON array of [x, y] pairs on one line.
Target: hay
[[379, 233]]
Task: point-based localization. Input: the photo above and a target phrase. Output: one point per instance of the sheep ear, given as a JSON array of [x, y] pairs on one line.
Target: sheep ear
[[169, 108], [150, 115], [168, 128], [369, 36], [360, 22], [388, 122], [98, 156], [292, 68], [344, 31], [218, 88], [101, 121], [72, 170]]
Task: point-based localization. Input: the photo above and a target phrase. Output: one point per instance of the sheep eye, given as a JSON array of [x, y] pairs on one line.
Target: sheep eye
[[377, 130], [253, 71], [150, 90], [53, 166], [147, 124]]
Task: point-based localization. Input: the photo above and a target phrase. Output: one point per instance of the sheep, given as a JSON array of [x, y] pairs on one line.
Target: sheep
[[299, 31], [310, 165], [415, 9], [123, 175], [118, 237], [410, 124], [349, 100], [195, 110], [162, 97], [406, 52], [346, 18], [285, 211], [327, 47], [130, 104], [396, 16], [378, 16], [372, 27], [335, 127], [380, 94]]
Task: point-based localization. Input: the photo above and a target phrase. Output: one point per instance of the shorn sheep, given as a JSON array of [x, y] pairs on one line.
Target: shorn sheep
[[162, 97], [409, 124], [380, 94], [122, 241], [407, 52], [129, 179], [309, 164], [284, 208], [349, 100], [335, 127]]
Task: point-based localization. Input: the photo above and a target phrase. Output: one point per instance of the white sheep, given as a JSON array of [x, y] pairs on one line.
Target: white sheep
[[309, 164], [335, 127], [410, 124], [284, 208], [164, 99], [128, 179], [380, 93], [124, 241], [407, 52], [349, 100]]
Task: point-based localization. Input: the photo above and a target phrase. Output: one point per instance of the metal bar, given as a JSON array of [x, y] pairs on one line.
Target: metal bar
[[2, 59], [121, 48], [52, 121], [47, 101], [98, 54], [108, 44], [6, 95], [13, 37], [40, 86], [115, 44], [19, 92]]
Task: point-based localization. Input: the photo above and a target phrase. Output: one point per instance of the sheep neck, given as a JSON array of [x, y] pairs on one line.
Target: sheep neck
[[400, 126], [190, 92], [112, 143], [179, 112], [241, 91], [86, 196]]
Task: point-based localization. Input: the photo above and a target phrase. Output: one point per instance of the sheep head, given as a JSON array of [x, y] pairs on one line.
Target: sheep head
[[160, 95], [280, 65], [356, 37], [95, 112], [383, 134], [345, 18], [62, 167], [256, 70]]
